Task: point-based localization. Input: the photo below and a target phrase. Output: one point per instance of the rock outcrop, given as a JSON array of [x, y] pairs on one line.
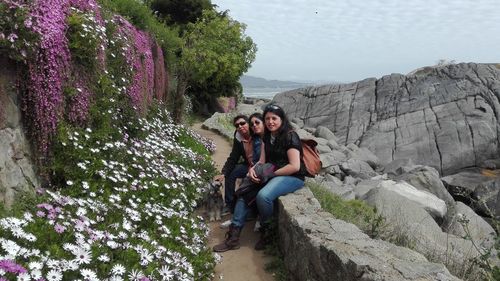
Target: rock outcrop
[[445, 117], [317, 247], [17, 172]]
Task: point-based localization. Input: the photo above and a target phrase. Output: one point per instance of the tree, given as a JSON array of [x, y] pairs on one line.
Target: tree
[[215, 48], [180, 11]]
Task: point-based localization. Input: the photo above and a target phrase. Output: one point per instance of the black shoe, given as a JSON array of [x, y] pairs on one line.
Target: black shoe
[[265, 238]]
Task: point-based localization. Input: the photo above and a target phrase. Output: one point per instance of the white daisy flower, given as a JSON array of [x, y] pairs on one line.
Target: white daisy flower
[[166, 273], [11, 247], [135, 275], [36, 274], [118, 269], [34, 265], [54, 275], [103, 258], [88, 274], [82, 256], [115, 278], [23, 277]]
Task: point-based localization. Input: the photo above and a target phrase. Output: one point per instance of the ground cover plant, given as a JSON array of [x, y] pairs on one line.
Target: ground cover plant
[[124, 212]]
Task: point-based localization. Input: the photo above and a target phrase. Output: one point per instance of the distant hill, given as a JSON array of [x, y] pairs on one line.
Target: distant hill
[[257, 82]]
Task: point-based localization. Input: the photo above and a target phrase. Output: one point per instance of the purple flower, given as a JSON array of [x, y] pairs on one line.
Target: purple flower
[[51, 216], [12, 267], [28, 23], [59, 228], [12, 37], [48, 70], [40, 191], [45, 206], [40, 214]]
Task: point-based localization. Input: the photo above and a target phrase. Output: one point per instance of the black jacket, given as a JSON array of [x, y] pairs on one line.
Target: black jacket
[[237, 153]]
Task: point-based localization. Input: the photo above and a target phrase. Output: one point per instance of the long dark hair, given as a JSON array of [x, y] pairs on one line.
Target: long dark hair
[[285, 124], [259, 116]]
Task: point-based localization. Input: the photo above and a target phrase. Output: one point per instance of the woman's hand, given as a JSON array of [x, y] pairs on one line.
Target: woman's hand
[[252, 175], [219, 178]]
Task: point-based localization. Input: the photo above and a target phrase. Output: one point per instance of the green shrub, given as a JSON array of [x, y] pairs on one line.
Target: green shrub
[[142, 17], [353, 211], [84, 38]]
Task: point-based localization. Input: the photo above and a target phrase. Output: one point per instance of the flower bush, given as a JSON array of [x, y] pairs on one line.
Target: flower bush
[[124, 211], [53, 38], [17, 40], [47, 70], [140, 59]]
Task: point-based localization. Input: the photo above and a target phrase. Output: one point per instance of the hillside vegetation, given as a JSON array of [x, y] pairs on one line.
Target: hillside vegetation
[[121, 178]]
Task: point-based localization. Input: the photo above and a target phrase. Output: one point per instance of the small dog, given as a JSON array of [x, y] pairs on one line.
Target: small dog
[[213, 200]]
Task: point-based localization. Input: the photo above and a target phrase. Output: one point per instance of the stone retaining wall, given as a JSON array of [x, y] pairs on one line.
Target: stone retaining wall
[[17, 172], [317, 246]]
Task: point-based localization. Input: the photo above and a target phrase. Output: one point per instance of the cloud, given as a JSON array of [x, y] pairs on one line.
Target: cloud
[[324, 39]]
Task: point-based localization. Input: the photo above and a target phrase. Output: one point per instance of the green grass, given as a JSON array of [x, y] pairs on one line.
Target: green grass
[[353, 211], [277, 264]]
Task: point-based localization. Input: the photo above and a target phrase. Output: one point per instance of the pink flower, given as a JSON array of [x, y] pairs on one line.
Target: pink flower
[[28, 23], [12, 37], [59, 228]]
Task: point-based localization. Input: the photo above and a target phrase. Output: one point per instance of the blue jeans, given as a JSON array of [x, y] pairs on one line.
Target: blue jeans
[[276, 187], [239, 171]]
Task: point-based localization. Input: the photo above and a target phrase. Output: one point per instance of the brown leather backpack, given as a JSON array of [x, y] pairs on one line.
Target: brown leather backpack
[[310, 157]]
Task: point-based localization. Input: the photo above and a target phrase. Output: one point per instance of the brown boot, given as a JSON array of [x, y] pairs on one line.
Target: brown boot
[[232, 241], [264, 240]]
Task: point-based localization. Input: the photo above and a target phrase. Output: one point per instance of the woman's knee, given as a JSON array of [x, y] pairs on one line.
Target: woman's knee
[[263, 196]]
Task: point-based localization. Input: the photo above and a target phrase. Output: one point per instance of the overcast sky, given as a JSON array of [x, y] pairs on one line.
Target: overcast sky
[[349, 40]]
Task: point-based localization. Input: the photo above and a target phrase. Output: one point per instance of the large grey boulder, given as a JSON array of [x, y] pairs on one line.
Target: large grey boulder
[[364, 155], [407, 223], [466, 223], [357, 168], [17, 170], [324, 132], [444, 117], [478, 188], [426, 200], [426, 178]]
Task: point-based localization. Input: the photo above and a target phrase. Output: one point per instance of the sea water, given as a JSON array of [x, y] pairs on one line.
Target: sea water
[[263, 93]]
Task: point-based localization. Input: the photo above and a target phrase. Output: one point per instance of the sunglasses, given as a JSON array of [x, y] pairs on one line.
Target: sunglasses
[[273, 106], [242, 123], [255, 123]]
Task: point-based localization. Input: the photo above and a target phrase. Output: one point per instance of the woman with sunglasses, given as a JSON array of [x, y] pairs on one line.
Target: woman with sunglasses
[[243, 147], [281, 147], [257, 130]]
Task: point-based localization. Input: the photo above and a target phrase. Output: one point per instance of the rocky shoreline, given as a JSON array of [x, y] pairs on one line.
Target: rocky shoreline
[[432, 211]]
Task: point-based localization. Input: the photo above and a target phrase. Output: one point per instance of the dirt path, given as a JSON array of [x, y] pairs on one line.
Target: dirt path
[[244, 264]]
